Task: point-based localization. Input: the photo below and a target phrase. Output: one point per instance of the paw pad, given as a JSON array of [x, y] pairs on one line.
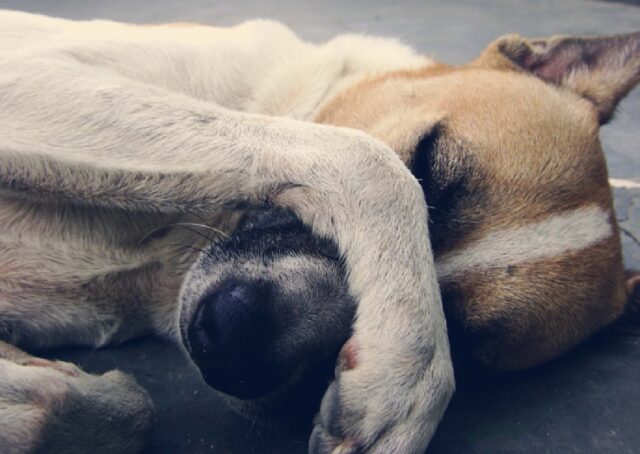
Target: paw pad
[[348, 357]]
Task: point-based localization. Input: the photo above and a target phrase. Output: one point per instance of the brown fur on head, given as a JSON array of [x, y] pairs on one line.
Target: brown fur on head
[[509, 143], [600, 69]]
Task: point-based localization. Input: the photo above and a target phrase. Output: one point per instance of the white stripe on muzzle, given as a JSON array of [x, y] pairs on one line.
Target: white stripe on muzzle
[[558, 234]]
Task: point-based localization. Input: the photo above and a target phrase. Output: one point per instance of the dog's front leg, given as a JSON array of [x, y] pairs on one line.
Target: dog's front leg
[[92, 137], [394, 376]]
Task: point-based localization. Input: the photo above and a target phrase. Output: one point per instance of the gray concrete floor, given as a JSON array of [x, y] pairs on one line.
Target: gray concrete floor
[[587, 401]]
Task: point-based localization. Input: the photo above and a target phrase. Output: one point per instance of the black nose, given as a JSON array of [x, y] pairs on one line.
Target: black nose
[[230, 337]]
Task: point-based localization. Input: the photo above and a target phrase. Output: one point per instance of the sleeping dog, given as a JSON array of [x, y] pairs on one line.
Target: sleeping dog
[[261, 200]]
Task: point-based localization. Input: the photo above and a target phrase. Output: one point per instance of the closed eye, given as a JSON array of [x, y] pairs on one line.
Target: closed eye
[[422, 163]]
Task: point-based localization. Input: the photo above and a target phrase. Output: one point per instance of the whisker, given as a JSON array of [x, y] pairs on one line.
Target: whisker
[[204, 226], [208, 238], [183, 224], [200, 216], [205, 222], [180, 261]]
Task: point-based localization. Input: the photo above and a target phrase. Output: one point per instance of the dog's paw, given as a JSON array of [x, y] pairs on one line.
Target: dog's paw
[[53, 406], [382, 403]]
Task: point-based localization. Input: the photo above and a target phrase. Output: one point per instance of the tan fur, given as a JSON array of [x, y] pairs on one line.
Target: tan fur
[[538, 150]]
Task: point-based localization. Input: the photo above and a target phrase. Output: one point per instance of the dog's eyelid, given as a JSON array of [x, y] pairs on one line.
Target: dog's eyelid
[[422, 157], [429, 138]]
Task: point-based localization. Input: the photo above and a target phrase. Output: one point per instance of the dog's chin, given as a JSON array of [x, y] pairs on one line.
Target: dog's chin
[[263, 316], [290, 406]]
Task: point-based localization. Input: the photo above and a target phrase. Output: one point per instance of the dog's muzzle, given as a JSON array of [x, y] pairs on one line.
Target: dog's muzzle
[[279, 308]]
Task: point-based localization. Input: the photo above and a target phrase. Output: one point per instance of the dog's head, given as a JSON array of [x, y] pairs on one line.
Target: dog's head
[[521, 219], [508, 154]]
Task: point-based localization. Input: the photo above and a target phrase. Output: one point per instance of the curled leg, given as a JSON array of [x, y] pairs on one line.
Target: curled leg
[[52, 406]]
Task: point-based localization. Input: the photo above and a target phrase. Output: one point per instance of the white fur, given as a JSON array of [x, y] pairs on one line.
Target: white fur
[[54, 396], [259, 66], [139, 124], [556, 235]]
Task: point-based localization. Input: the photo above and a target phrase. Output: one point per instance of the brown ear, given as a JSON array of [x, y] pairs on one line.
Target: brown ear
[[602, 69]]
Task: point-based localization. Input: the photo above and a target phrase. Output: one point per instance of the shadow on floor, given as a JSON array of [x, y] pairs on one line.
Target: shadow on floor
[[586, 401]]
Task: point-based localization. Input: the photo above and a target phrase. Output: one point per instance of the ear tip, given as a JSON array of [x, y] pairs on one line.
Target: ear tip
[[513, 46], [509, 40]]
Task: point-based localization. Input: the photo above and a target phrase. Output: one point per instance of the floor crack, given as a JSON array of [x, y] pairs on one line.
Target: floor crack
[[630, 235]]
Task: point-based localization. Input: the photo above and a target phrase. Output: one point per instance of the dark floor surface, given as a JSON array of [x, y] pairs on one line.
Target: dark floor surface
[[587, 401]]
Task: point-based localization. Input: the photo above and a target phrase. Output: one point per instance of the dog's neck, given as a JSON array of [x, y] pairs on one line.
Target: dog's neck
[[300, 87]]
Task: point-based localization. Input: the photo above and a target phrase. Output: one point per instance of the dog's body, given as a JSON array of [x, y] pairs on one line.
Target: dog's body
[[110, 134]]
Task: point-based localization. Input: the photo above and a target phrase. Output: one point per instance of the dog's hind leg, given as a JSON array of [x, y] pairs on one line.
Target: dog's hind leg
[[49, 297], [59, 295], [51, 406]]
